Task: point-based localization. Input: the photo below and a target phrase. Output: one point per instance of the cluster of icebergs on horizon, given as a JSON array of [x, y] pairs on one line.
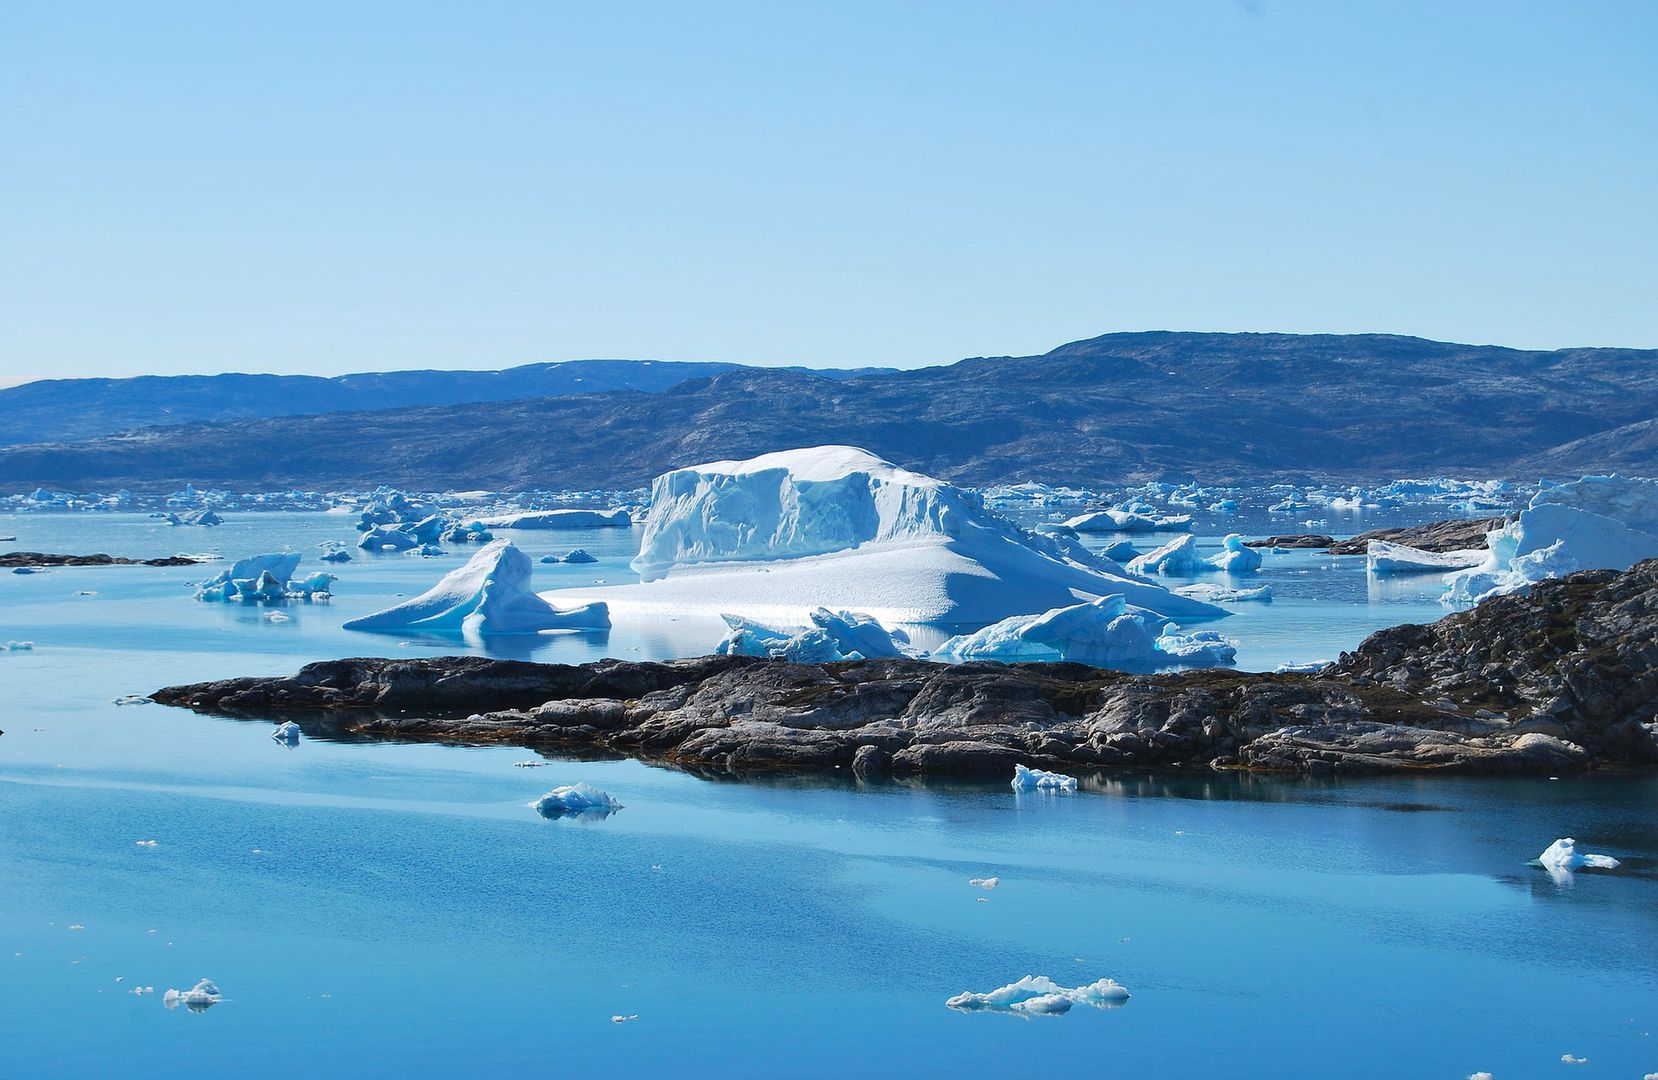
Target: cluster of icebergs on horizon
[[1595, 523], [777, 537], [265, 579], [491, 594]]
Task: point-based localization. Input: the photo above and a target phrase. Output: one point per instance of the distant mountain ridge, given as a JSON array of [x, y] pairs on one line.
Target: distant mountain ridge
[[61, 410], [1219, 407]]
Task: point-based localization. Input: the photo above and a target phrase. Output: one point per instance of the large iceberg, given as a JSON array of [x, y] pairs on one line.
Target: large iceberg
[[489, 595], [778, 536], [1596, 523], [560, 519], [259, 578], [1178, 557], [1122, 519], [1385, 559], [1106, 632], [1235, 557]]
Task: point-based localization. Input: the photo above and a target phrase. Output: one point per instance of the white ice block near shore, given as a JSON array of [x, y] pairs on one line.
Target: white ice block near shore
[[1384, 559], [1028, 779], [489, 595], [1563, 855], [1106, 632], [779, 536], [833, 635], [576, 799]]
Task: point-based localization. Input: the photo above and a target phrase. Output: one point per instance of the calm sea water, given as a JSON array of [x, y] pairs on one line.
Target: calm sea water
[[375, 910]]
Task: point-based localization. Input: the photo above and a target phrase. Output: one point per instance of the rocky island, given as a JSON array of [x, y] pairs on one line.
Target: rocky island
[[1562, 678]]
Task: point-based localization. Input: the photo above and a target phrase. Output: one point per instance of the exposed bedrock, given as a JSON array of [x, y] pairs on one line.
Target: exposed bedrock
[[39, 558], [1562, 679]]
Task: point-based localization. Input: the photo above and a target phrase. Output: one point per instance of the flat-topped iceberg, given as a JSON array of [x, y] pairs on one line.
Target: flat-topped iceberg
[[1221, 594], [560, 519], [779, 536], [1385, 559], [1107, 632], [489, 595], [1038, 995], [1121, 519], [1566, 528]]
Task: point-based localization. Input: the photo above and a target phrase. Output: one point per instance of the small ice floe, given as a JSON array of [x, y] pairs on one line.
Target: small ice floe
[[144, 843], [140, 991], [1567, 1059], [17, 646], [620, 1019], [576, 800], [132, 699], [1028, 779], [76, 926], [530, 764], [1308, 668], [286, 733], [1038, 995], [199, 998], [1562, 857], [1221, 594], [86, 592], [276, 617], [985, 882]]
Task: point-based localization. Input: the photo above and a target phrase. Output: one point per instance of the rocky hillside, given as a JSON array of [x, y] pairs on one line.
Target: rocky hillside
[[1563, 679]]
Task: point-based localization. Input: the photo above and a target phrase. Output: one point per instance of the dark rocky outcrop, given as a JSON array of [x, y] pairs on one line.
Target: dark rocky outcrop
[[1293, 540], [36, 558], [1563, 679], [1457, 534]]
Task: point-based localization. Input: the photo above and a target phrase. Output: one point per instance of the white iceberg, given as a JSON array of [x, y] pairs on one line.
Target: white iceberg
[[1118, 519], [1384, 559], [560, 519], [1122, 551], [1028, 779], [1038, 995], [1221, 594], [489, 595], [1178, 557], [1563, 855], [286, 733], [576, 800], [833, 635], [1106, 633], [782, 535], [1235, 557], [199, 998], [258, 578], [1566, 528]]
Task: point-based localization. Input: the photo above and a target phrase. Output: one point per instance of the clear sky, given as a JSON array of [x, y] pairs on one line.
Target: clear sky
[[335, 187]]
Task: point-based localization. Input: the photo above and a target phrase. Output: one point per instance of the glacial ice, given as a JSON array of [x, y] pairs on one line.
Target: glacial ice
[[1563, 855], [577, 555], [489, 595], [199, 998], [1028, 779], [1178, 557], [779, 536], [1106, 632], [1122, 551], [1038, 995], [1221, 594], [560, 519], [259, 578], [1235, 557], [833, 635], [388, 538], [579, 799], [1565, 528], [1122, 519], [1384, 559], [205, 517], [286, 733]]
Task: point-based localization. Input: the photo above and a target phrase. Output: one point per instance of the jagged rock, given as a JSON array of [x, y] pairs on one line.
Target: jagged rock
[[1457, 534], [37, 558], [1563, 678], [1293, 540]]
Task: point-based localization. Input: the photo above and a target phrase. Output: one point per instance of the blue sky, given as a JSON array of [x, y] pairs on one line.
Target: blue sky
[[326, 188]]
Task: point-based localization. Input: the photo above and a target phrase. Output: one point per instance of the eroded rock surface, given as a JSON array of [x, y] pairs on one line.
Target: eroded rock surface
[[1565, 678]]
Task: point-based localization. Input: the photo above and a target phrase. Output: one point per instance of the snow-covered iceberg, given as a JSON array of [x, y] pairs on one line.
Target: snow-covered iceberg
[[489, 595], [560, 519], [254, 579], [1235, 557], [576, 800], [1106, 632], [1038, 995], [833, 635], [1117, 519], [199, 998], [1178, 557], [779, 536], [1384, 559], [1566, 528], [1221, 594]]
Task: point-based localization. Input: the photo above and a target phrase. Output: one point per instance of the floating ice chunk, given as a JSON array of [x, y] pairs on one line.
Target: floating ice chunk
[[316, 584], [1563, 855], [834, 635], [1124, 520], [577, 555], [132, 699], [531, 764], [145, 843], [1028, 779], [1106, 632], [1122, 551], [199, 998], [1224, 506], [619, 1019], [195, 517], [337, 555], [1307, 668], [560, 519], [286, 733], [1480, 1076], [388, 538], [1383, 559], [258, 578], [489, 595], [1204, 648], [1221, 594], [17, 646], [276, 617], [1235, 557], [576, 799], [1179, 557], [1038, 995], [1568, 1059], [985, 882]]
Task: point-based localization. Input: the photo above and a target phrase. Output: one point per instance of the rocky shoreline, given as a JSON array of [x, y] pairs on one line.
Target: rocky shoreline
[[1456, 534], [1563, 679], [37, 559]]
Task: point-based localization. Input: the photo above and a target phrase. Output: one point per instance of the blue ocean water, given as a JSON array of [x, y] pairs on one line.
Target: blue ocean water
[[378, 910]]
